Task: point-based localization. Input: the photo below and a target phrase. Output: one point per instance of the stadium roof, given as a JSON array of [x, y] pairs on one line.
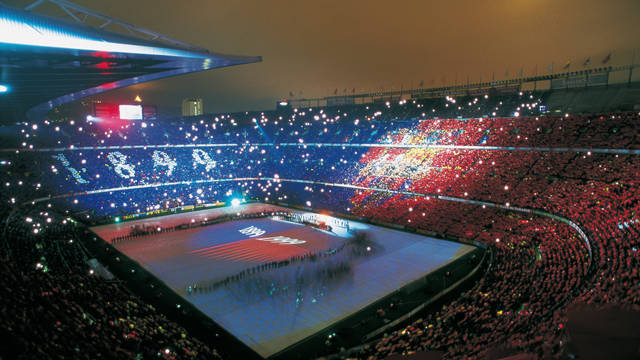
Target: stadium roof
[[46, 62]]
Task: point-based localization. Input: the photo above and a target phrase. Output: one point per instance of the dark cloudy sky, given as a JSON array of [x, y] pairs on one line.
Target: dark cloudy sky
[[317, 46]]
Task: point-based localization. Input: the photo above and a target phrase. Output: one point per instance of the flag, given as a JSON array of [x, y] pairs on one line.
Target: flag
[[534, 72], [421, 83], [551, 68], [290, 93], [567, 65], [335, 92], [587, 61], [607, 58], [344, 91]]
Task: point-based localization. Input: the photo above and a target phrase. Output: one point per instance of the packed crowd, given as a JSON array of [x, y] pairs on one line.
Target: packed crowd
[[397, 163], [55, 307], [267, 126], [538, 266]]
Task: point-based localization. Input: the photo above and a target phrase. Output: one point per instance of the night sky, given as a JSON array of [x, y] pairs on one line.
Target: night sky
[[314, 47]]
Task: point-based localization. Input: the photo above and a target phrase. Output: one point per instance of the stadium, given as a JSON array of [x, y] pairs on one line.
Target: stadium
[[495, 219]]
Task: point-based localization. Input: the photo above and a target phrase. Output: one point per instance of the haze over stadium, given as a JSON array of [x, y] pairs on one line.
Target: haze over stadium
[[445, 181], [317, 47]]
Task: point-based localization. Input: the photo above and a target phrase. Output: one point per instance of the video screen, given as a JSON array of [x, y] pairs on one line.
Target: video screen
[[131, 112]]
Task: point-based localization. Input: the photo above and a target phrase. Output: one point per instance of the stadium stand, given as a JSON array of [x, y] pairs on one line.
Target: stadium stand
[[459, 167]]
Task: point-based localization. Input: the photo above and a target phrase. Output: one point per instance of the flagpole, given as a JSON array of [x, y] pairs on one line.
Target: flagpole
[[586, 83], [633, 58]]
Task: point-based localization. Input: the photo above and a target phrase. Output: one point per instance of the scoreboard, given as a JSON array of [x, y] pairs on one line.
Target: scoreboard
[[110, 112]]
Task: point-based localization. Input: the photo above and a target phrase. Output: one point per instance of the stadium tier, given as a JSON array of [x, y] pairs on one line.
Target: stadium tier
[[48, 61], [473, 221], [555, 198]]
